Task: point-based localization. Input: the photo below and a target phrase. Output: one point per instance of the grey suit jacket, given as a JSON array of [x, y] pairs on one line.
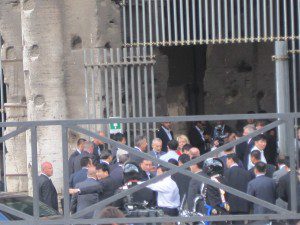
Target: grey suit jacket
[[279, 173], [86, 200], [264, 188]]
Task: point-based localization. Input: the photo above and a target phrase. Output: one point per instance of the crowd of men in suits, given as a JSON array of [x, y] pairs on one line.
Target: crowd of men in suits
[[252, 167]]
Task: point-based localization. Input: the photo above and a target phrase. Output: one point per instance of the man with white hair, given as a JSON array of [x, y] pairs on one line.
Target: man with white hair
[[47, 191], [242, 149], [156, 149]]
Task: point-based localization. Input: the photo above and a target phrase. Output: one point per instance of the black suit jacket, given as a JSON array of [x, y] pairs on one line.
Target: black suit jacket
[[47, 192], [71, 162], [116, 173], [194, 190], [264, 188], [196, 140], [183, 183], [145, 177], [284, 190], [237, 178], [164, 137], [78, 177]]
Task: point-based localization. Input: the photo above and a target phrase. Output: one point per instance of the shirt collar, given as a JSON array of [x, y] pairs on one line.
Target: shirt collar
[[78, 150], [166, 130], [281, 166], [137, 148], [46, 176], [259, 175], [234, 164]]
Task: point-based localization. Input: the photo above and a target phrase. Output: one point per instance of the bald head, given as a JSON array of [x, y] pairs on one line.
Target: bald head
[[47, 168], [194, 152], [97, 141]]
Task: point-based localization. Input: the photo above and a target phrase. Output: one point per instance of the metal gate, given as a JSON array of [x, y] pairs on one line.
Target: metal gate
[[120, 83]]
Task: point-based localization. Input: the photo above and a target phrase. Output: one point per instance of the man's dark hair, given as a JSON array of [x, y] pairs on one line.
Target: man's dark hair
[[186, 147], [119, 137], [138, 140], [199, 164], [184, 158], [281, 159], [164, 169], [260, 137], [84, 161], [105, 154], [256, 154], [173, 161], [233, 157], [173, 145], [111, 212], [261, 167], [260, 122], [102, 166], [80, 141]]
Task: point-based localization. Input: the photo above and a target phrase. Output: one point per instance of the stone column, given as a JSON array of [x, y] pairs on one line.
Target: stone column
[[15, 108], [44, 78]]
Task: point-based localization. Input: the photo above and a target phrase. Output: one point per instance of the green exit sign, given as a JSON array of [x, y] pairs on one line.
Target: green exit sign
[[115, 128]]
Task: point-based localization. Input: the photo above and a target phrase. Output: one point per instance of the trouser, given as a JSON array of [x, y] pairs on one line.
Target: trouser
[[169, 211]]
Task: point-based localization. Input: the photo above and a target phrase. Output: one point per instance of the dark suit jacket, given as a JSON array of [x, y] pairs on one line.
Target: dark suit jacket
[[270, 151], [237, 178], [196, 140], [264, 188], [87, 199], [135, 158], [194, 189], [78, 177], [183, 183], [269, 171], [77, 165], [145, 177], [223, 159], [241, 150], [284, 190], [47, 192], [152, 153], [71, 162], [116, 173], [164, 137]]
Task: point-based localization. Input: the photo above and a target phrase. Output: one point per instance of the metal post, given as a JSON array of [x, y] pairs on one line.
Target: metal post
[[282, 89], [2, 116]]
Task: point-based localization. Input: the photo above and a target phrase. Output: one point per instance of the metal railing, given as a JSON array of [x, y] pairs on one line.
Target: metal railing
[[188, 22], [279, 213]]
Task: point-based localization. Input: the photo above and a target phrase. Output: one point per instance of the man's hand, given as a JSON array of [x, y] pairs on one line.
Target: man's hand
[[73, 191]]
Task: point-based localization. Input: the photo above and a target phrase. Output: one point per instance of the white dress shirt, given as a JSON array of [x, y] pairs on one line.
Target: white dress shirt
[[169, 155], [262, 157], [167, 193]]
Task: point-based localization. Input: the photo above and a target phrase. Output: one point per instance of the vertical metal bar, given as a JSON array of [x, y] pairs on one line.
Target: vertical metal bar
[[144, 22], [200, 22], [153, 97], [187, 18], [162, 8], [226, 20], [64, 138], [124, 23], [258, 20], [34, 157], [113, 85], [265, 20], [206, 22], [194, 21], [139, 82], [175, 21], [119, 84], [181, 23], [220, 21], [239, 20], [150, 24], [213, 21], [278, 19], [146, 99], [156, 22], [282, 89], [169, 22], [86, 88], [106, 84], [100, 85], [232, 21], [93, 86], [252, 19], [293, 55], [133, 91], [2, 117], [246, 20], [137, 22], [271, 20], [285, 19], [130, 21], [126, 94]]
